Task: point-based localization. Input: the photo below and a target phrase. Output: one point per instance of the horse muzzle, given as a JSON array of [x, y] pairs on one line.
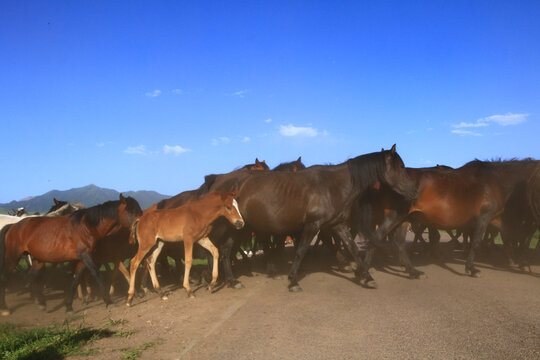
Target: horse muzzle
[[238, 224]]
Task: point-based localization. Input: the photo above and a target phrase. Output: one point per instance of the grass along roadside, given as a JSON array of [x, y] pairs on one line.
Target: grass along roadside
[[53, 342]]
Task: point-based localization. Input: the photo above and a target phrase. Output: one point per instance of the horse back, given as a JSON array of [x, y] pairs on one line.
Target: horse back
[[283, 202]]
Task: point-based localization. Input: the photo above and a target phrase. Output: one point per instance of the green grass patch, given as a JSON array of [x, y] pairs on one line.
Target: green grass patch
[[51, 342], [135, 353]]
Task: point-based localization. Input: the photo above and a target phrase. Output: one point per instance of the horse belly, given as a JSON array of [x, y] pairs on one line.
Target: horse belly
[[441, 213], [49, 249], [273, 218]]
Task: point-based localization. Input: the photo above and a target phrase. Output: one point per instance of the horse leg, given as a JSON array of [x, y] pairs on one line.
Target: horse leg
[[152, 269], [92, 267], [434, 242], [79, 270], [398, 238], [207, 244], [225, 250], [476, 241], [188, 260], [36, 283], [309, 232], [134, 265], [362, 274]]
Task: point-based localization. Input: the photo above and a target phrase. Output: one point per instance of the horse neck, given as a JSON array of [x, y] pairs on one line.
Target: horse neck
[[105, 227], [207, 211], [229, 182], [510, 175]]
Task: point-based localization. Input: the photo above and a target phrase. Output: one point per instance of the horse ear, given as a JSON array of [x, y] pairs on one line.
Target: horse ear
[[234, 193], [382, 149], [393, 149], [257, 162], [299, 159], [56, 202], [122, 198]]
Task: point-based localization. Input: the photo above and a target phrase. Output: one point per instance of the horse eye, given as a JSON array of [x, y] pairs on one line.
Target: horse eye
[[228, 208]]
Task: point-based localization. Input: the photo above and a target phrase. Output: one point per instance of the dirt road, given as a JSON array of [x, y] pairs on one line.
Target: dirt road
[[446, 316]]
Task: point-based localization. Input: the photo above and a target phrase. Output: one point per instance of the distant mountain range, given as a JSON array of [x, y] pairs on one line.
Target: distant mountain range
[[88, 195]]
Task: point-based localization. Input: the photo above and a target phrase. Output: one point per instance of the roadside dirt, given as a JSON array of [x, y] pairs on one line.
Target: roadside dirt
[[447, 315]]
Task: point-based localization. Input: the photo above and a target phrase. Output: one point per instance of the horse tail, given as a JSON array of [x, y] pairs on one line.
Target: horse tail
[[3, 233], [133, 235]]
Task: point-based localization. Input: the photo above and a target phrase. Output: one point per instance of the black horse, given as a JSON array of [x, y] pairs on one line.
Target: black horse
[[315, 199]]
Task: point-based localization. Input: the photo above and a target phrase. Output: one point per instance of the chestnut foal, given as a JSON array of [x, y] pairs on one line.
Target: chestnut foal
[[189, 223]]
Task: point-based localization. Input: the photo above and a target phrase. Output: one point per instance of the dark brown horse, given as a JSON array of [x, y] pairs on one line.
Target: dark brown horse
[[533, 194], [472, 196], [315, 199], [190, 223], [63, 239]]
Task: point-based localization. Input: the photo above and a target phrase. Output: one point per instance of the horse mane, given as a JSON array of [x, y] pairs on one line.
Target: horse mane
[[366, 169], [512, 162], [108, 210], [208, 182], [161, 204], [93, 215], [286, 166]]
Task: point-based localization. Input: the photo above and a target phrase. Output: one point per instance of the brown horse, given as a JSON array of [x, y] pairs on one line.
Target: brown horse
[[189, 223], [173, 249], [63, 239], [472, 196]]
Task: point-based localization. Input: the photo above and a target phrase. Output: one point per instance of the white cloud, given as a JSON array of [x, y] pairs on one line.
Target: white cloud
[[178, 91], [174, 150], [268, 121], [246, 139], [465, 132], [101, 144], [220, 140], [467, 125], [507, 119], [241, 93], [291, 130], [137, 150], [154, 93], [503, 120]]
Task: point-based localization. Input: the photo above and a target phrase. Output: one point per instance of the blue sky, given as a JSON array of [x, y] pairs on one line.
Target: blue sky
[[154, 95]]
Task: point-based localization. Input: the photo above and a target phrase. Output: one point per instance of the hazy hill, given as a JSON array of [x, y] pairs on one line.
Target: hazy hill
[[88, 195]]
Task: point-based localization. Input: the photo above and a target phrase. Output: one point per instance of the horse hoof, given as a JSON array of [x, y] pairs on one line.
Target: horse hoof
[[128, 304], [69, 313], [41, 307], [371, 284], [164, 297], [295, 288], [422, 276], [418, 275], [475, 274], [4, 313], [238, 286]]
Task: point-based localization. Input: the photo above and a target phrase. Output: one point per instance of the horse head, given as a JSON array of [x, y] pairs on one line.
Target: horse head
[[128, 210], [231, 210], [396, 176]]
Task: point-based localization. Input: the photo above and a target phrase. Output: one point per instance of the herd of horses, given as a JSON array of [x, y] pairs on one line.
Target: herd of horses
[[373, 196]]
